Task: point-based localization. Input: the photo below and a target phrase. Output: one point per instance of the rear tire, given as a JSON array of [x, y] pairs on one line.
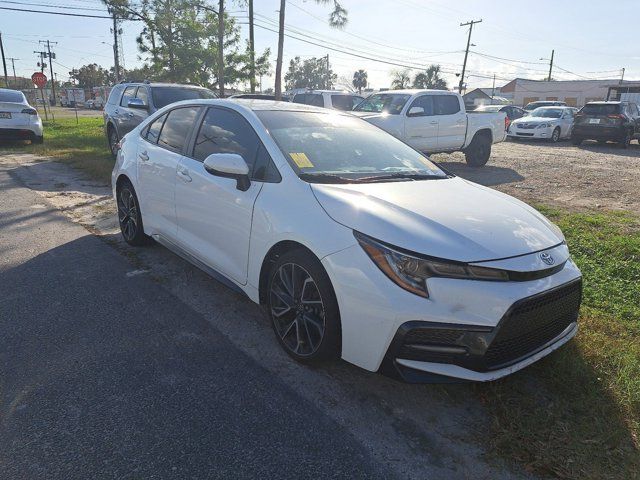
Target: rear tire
[[478, 152], [303, 309], [130, 217], [112, 138], [38, 140]]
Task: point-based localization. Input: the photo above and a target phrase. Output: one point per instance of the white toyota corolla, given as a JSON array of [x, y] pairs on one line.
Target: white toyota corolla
[[357, 245]]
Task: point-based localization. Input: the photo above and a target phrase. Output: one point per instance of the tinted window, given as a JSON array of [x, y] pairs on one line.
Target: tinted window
[[345, 102], [225, 131], [314, 99], [601, 109], [176, 129], [446, 104], [163, 96], [143, 95], [264, 170], [129, 92], [114, 96], [391, 103], [11, 96], [425, 102], [153, 130]]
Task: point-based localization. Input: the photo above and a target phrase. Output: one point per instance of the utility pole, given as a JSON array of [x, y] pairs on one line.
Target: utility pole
[[4, 62], [13, 66], [42, 64], [252, 50], [278, 80], [493, 88], [116, 59], [622, 78], [51, 57], [551, 65], [466, 52], [327, 74], [221, 47]]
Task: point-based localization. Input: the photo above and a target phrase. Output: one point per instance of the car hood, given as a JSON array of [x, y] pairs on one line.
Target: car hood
[[448, 218], [535, 120]]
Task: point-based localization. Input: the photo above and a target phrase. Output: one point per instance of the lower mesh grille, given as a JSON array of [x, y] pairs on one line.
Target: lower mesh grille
[[533, 322]]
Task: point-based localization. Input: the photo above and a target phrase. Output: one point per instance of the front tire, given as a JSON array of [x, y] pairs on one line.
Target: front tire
[[576, 141], [478, 152], [555, 136], [38, 140], [303, 308], [112, 138], [129, 216]]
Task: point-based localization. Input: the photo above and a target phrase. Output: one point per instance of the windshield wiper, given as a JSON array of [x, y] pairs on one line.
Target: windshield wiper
[[326, 178], [400, 175]]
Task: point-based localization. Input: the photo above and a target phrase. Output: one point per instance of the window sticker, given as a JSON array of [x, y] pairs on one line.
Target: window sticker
[[301, 160]]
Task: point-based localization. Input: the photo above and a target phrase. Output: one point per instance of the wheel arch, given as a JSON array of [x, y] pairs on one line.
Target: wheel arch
[[484, 132]]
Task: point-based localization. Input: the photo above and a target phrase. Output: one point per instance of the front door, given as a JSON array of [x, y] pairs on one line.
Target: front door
[[214, 216], [421, 126], [452, 122]]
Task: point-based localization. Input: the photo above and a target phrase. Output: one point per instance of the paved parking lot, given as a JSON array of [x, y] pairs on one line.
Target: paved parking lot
[[589, 176]]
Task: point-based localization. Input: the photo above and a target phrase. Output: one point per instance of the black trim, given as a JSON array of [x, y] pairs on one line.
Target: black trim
[[470, 346]]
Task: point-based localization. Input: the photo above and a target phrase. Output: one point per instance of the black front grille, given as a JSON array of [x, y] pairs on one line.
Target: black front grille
[[533, 322]]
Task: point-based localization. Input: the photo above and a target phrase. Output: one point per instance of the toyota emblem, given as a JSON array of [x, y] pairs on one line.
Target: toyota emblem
[[546, 258]]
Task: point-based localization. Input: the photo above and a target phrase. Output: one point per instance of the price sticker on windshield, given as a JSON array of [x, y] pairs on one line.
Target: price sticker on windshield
[[301, 160]]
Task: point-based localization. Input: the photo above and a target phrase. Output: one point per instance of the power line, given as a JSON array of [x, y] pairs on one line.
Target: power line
[[50, 5], [62, 13]]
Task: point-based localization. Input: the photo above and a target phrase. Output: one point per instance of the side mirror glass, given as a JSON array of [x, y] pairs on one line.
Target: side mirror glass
[[229, 165], [415, 112], [137, 103]]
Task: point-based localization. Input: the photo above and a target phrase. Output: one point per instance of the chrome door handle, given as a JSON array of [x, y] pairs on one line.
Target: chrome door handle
[[184, 175], [144, 157], [130, 114]]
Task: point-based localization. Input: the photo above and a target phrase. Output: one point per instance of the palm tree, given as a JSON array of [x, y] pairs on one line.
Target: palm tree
[[401, 80], [337, 19], [430, 79], [360, 80]]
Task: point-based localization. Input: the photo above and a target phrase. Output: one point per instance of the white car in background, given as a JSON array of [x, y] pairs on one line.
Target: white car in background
[[18, 119], [357, 245], [548, 123]]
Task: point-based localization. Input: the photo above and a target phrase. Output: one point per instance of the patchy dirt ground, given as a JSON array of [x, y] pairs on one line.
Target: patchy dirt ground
[[589, 176]]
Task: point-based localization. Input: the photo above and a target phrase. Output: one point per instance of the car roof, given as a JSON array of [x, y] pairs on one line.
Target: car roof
[[605, 102], [256, 105], [343, 92], [414, 91], [163, 84], [10, 90]]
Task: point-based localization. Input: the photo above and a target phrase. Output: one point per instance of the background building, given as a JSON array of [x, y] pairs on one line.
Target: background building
[[574, 92]]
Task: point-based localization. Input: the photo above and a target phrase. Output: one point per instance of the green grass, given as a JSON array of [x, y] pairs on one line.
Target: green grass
[[576, 414], [82, 145]]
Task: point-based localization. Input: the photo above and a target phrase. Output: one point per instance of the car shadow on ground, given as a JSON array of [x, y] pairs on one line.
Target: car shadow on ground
[[489, 175], [609, 148]]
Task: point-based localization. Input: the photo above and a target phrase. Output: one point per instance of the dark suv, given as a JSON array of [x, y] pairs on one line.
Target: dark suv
[[602, 121], [130, 103]]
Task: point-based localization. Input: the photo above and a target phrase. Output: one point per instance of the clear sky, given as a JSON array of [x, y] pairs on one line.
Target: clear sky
[[591, 39]]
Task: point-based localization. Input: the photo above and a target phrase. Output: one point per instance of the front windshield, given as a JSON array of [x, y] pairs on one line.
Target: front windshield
[[339, 148], [547, 112], [163, 96], [390, 103]]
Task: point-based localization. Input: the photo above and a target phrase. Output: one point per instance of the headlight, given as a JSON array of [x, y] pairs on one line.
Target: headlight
[[544, 125], [411, 272]]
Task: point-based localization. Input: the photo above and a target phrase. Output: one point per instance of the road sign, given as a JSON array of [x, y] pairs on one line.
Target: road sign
[[39, 79]]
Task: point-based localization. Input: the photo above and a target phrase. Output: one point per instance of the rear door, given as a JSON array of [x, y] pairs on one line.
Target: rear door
[[123, 115], [452, 122], [158, 159], [421, 125], [214, 217]]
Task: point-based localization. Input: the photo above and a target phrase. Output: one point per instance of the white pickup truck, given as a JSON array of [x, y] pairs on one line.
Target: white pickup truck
[[434, 121]]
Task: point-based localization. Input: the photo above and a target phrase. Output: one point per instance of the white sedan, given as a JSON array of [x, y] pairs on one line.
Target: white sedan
[[18, 119], [357, 245], [548, 123]]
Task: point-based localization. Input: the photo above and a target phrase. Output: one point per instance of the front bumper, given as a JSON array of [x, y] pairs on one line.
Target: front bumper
[[539, 133], [375, 312]]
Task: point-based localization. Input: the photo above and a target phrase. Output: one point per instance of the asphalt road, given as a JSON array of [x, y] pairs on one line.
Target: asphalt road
[[105, 374]]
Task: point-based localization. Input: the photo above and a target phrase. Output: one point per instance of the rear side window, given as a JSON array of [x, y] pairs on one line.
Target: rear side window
[[175, 131], [446, 104], [153, 131], [314, 99], [143, 95], [601, 109], [345, 102], [163, 96], [114, 96], [129, 93]]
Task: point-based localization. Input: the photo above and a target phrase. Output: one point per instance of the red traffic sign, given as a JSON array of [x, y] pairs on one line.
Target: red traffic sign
[[39, 79]]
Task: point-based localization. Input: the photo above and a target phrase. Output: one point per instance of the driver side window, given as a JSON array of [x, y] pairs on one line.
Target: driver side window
[[426, 103]]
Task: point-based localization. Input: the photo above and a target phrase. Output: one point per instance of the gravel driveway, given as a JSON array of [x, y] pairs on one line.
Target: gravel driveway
[[589, 176]]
